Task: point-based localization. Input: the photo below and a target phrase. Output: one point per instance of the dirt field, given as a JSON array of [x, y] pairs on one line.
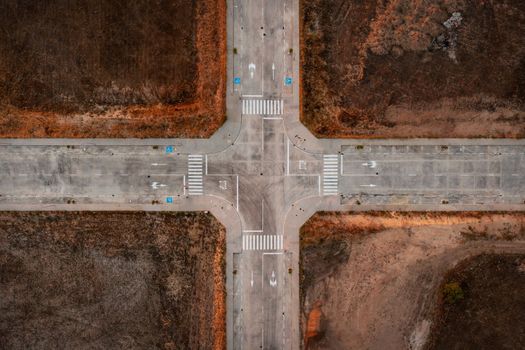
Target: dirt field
[[413, 68], [373, 281], [493, 300], [112, 68], [111, 280]]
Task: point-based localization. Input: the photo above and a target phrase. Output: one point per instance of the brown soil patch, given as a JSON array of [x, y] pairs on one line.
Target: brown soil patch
[[490, 314], [379, 69], [376, 275], [112, 280], [112, 69]]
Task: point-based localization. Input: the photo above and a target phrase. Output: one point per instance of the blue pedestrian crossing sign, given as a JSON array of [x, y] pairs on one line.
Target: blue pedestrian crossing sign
[[288, 81], [236, 80], [169, 199], [169, 149]]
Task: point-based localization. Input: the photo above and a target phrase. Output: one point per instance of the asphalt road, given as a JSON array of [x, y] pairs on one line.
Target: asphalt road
[[263, 174]]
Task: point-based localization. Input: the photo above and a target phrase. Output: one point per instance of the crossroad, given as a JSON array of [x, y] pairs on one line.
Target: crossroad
[[262, 174]]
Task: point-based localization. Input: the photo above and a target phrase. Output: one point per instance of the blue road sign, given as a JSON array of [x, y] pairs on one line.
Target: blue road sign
[[236, 80], [287, 81], [169, 199], [169, 149]]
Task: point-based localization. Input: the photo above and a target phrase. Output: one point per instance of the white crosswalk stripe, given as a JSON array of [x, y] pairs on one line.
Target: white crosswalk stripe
[[195, 173], [330, 174], [262, 107], [262, 242]]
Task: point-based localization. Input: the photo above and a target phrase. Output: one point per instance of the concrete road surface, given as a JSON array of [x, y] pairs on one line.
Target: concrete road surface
[[263, 174]]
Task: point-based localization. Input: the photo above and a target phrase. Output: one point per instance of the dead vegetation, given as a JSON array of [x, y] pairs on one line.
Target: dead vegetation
[[407, 68], [112, 280], [484, 310], [108, 69]]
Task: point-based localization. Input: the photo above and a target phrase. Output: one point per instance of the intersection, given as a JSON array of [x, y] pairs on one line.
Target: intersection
[[262, 175]]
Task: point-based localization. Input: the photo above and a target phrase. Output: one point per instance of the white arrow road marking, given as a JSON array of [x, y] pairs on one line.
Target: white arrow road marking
[[371, 185], [273, 280], [251, 282], [158, 164], [155, 185], [372, 164], [251, 67], [273, 71]]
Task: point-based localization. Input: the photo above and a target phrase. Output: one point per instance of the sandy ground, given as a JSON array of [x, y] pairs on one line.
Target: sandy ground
[[111, 280], [111, 69], [377, 275], [413, 68]]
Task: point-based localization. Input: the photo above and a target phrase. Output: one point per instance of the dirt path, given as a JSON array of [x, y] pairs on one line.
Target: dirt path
[[377, 275]]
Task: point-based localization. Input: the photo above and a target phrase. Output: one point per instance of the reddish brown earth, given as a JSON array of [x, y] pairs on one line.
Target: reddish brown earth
[[112, 69], [490, 313], [107, 280], [372, 280], [391, 68]]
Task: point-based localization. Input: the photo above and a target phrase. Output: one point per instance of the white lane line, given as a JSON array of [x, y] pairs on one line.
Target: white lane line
[[287, 156]]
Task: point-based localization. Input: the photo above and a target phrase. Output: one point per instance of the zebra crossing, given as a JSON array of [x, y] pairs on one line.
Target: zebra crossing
[[195, 172], [262, 242], [256, 107], [330, 174]]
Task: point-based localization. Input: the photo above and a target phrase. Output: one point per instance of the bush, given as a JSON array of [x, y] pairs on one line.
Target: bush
[[452, 293]]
